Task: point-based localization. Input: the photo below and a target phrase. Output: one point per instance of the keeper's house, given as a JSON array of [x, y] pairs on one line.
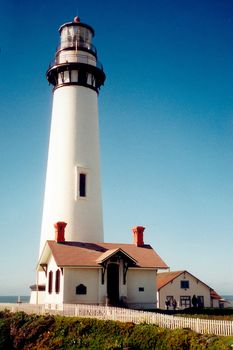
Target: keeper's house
[[98, 273]]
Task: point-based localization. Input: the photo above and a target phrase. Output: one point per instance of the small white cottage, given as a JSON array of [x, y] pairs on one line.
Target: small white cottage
[[98, 273], [180, 289]]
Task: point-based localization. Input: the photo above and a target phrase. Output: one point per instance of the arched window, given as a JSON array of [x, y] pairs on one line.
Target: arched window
[[50, 283], [57, 282], [81, 289]]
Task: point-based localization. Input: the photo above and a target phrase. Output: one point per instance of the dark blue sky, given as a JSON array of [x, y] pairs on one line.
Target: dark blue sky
[[166, 124]]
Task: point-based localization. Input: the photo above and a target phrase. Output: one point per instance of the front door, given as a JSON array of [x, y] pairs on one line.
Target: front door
[[113, 283]]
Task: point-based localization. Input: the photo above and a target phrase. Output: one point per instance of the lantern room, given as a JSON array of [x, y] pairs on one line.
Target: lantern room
[[76, 35], [76, 60]]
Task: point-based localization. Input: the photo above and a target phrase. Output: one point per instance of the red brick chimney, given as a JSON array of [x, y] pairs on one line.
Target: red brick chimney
[[60, 231], [138, 235]]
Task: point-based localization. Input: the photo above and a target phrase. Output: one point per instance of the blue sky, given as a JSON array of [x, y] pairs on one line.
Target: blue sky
[[166, 128]]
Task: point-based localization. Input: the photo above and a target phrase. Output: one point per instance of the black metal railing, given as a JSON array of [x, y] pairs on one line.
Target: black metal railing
[[75, 58], [77, 44]]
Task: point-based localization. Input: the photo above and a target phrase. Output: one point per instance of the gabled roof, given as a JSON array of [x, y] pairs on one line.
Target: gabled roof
[[91, 254], [111, 252], [164, 278]]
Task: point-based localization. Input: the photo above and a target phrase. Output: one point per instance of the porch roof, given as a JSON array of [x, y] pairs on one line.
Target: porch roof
[[112, 252]]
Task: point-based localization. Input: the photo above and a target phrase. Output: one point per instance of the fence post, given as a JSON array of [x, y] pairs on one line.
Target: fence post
[[76, 310], [197, 326]]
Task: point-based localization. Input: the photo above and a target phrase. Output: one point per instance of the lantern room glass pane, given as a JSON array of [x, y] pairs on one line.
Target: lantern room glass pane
[[76, 36]]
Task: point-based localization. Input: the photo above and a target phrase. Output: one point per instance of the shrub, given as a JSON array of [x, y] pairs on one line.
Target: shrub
[[5, 341], [32, 332]]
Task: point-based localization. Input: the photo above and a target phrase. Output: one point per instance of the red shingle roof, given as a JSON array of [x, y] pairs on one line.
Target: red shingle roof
[[111, 252], [164, 278], [90, 254], [215, 295]]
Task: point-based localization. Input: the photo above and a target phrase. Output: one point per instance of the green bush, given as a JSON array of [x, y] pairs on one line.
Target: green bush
[[4, 335], [19, 331]]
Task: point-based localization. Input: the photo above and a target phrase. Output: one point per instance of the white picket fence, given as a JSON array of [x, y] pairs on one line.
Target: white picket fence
[[204, 326]]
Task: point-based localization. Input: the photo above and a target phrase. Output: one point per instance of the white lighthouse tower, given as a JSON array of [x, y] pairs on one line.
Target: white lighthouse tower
[[75, 265], [73, 190]]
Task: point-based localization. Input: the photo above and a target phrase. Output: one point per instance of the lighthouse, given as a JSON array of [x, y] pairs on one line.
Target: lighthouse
[[75, 265], [73, 186]]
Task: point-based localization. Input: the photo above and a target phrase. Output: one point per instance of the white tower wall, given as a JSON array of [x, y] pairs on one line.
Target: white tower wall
[[73, 149], [72, 190], [76, 75]]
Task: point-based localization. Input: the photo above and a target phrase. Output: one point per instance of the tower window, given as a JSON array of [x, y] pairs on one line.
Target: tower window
[[67, 77], [89, 79], [74, 76], [82, 185]]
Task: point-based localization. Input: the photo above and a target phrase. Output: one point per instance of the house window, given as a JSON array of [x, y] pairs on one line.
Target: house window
[[170, 298], [184, 284], [141, 289], [168, 301], [185, 301], [57, 282], [81, 289], [50, 283], [82, 185], [200, 301]]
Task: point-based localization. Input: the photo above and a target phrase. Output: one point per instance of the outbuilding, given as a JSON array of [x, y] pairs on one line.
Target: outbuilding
[[181, 289]]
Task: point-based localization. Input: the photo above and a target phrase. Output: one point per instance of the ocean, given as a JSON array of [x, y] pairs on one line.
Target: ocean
[[14, 299], [229, 299], [25, 299]]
